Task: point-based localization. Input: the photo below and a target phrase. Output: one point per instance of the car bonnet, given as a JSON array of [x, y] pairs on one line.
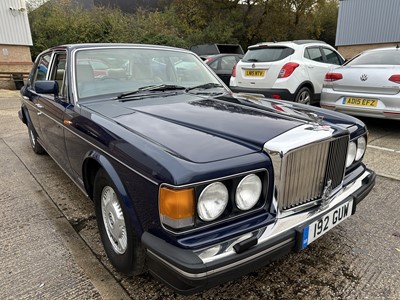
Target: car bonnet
[[201, 129]]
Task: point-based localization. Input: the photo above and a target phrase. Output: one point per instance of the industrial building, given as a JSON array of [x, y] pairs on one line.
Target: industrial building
[[366, 24], [15, 42]]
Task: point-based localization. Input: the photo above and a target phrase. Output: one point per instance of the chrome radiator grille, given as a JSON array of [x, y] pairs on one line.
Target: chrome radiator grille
[[307, 170]]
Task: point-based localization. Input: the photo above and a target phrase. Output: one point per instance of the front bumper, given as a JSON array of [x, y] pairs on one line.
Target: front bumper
[[187, 273]]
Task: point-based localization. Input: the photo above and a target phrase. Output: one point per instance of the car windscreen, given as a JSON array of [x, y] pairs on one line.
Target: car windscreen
[[376, 58], [267, 54], [104, 72]]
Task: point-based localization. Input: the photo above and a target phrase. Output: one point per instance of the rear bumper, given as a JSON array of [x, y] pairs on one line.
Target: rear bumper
[[284, 94], [186, 272], [387, 108]]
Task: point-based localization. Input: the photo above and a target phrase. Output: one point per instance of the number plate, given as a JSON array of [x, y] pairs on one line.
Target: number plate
[[360, 101], [254, 73], [326, 223]]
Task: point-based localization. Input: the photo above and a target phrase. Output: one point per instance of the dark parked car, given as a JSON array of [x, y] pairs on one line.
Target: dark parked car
[[200, 184], [222, 64]]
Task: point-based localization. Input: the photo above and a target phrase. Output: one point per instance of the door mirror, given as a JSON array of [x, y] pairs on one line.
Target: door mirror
[[46, 87]]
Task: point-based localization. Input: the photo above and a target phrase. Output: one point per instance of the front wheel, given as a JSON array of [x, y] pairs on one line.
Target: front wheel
[[120, 243], [304, 96]]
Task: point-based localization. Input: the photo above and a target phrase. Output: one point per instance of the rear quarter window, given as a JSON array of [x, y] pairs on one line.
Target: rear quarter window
[[267, 54]]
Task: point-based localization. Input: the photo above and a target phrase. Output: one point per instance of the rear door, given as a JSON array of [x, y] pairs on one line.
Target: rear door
[[40, 73], [261, 65], [319, 61]]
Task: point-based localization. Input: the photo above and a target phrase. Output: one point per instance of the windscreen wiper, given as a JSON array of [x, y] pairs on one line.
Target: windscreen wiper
[[209, 85], [154, 87]]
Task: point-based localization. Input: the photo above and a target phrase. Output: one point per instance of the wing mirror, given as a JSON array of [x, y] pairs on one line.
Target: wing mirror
[[46, 87]]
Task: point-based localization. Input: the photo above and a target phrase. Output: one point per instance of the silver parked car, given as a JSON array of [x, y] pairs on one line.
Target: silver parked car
[[367, 85]]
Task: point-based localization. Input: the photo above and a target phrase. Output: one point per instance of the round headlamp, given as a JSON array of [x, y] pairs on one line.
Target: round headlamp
[[212, 201], [361, 146], [351, 154], [248, 192]]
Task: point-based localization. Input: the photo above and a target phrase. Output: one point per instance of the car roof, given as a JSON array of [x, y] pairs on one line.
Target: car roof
[[111, 45], [289, 43], [220, 55], [393, 48]]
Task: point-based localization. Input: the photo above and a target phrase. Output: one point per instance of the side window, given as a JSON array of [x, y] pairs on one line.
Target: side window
[[58, 72], [214, 64], [227, 62], [42, 67], [314, 54], [332, 57]]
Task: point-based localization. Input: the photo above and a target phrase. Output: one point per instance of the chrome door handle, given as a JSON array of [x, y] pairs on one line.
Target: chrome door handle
[[25, 97], [38, 105]]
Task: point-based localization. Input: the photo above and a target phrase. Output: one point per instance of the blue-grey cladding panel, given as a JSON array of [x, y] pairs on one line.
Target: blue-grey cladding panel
[[368, 22]]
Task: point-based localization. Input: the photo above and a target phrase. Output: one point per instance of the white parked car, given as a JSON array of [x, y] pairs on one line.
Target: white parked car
[[285, 70], [367, 85]]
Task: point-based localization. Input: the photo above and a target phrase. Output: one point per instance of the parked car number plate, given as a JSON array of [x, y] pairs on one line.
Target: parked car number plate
[[326, 223], [254, 73], [360, 101]]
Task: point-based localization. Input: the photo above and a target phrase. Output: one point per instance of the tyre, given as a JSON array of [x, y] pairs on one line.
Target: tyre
[[304, 96], [36, 147], [120, 243]]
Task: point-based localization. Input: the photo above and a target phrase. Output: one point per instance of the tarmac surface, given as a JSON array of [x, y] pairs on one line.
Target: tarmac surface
[[50, 248]]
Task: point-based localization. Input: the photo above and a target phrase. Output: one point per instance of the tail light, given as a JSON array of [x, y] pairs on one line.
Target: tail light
[[234, 71], [277, 107], [333, 76], [395, 78], [287, 69]]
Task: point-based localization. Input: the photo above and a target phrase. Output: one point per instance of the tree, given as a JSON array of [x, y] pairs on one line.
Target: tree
[[185, 22], [326, 15]]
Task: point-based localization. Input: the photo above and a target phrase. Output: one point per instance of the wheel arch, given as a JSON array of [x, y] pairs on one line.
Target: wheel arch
[[89, 170], [95, 161], [132, 260], [307, 84], [26, 118], [91, 165], [24, 115], [310, 86]]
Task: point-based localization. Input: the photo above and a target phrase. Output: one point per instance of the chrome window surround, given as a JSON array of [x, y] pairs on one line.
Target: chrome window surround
[[304, 149]]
